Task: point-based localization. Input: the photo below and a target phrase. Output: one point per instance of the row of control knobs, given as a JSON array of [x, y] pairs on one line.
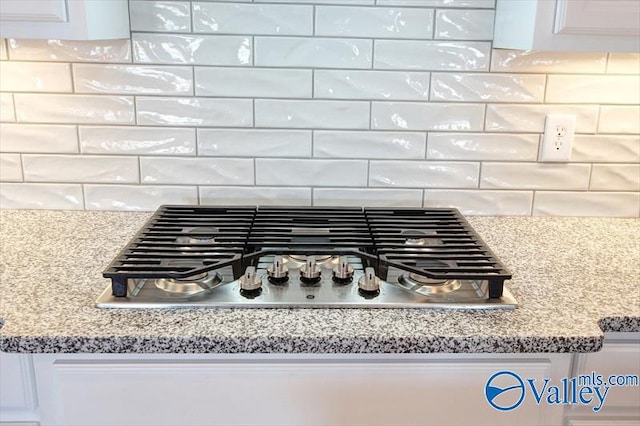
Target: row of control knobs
[[310, 272]]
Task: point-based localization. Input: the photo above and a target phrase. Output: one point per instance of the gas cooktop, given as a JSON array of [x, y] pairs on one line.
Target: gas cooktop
[[306, 257]]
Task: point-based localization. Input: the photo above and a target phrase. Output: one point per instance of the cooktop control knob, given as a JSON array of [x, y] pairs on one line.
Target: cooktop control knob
[[369, 282], [278, 272], [310, 271], [250, 280], [343, 272]]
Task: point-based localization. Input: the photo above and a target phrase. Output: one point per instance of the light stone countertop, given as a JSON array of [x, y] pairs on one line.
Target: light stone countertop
[[573, 277]]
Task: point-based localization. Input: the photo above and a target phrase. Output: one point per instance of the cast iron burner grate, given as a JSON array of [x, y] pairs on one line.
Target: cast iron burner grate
[[183, 241]]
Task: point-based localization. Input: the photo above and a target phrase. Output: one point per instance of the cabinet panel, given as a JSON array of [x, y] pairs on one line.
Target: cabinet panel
[[33, 10], [598, 17], [17, 391]]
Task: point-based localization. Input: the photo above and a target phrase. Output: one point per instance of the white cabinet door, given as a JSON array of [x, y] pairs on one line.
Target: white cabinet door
[[64, 19], [568, 25], [17, 390]]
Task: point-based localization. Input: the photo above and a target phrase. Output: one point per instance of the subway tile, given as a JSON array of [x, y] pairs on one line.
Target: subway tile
[[254, 143], [606, 148], [619, 119], [10, 167], [137, 140], [7, 112], [194, 112], [615, 177], [311, 172], [253, 82], [45, 196], [559, 203], [535, 176], [482, 147], [487, 87], [263, 19], [432, 55], [367, 197], [72, 109], [460, 24], [475, 4], [133, 79], [383, 85], [473, 202], [3, 50], [382, 145], [138, 197], [35, 77], [374, 22], [345, 2], [312, 52], [506, 60], [70, 50], [255, 196], [623, 63], [424, 174], [312, 114], [169, 16], [197, 171], [605, 89], [40, 138], [423, 116], [530, 118], [80, 168], [192, 49]]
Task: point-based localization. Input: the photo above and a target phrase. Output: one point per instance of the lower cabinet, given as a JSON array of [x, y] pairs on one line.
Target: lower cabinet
[[18, 401]]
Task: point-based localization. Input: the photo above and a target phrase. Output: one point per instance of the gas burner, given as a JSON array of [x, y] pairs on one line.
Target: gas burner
[[205, 235], [323, 261], [421, 238], [189, 286], [425, 285]]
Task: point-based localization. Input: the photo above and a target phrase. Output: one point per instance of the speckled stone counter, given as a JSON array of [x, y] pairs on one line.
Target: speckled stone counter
[[573, 277]]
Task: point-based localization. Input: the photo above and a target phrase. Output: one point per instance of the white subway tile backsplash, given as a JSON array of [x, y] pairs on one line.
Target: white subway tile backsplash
[[133, 79], [619, 119], [161, 16], [191, 49], [35, 77], [313, 52], [254, 143], [561, 203], [530, 118], [424, 174], [374, 22], [10, 167], [38, 138], [615, 177], [460, 24], [535, 176], [606, 89], [3, 50], [424, 116], [382, 85], [606, 149], [505, 60], [475, 4], [80, 168], [285, 172], [624, 63], [263, 19], [70, 50], [346, 2], [197, 171], [7, 112], [194, 111], [125, 140], [481, 202], [382, 145], [482, 146], [432, 55], [487, 87], [137, 198], [369, 197], [41, 196], [72, 109], [251, 195], [253, 82], [312, 114]]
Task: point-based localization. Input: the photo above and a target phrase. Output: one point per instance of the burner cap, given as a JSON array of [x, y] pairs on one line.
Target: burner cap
[[421, 237], [203, 235]]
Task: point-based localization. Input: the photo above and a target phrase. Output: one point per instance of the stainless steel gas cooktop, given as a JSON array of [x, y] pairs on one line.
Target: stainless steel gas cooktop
[[306, 257]]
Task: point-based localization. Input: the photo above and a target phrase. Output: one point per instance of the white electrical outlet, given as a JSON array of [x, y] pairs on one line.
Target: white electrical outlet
[[557, 140]]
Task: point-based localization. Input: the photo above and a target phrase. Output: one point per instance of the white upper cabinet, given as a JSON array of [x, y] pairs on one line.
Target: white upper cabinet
[[568, 25], [64, 19]]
